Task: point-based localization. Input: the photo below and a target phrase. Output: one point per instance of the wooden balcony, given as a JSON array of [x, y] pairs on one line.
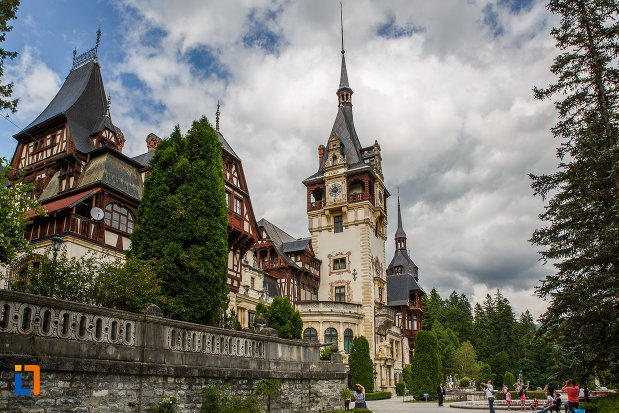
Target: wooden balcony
[[313, 206]]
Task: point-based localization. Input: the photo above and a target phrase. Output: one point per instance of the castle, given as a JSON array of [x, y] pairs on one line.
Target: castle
[[338, 278]]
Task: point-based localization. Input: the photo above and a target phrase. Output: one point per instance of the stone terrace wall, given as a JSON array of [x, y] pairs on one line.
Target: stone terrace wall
[[95, 359]]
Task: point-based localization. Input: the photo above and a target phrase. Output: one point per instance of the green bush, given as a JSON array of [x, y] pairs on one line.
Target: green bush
[[465, 381], [223, 399], [379, 395], [346, 393], [603, 404], [361, 368], [399, 388], [282, 317], [426, 364], [509, 380]]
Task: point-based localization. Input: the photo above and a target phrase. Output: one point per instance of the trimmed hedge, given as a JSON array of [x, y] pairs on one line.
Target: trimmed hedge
[[539, 395], [399, 388], [379, 395], [602, 404]]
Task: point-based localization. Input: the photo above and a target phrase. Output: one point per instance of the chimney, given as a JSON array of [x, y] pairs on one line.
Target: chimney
[[321, 152], [152, 141]]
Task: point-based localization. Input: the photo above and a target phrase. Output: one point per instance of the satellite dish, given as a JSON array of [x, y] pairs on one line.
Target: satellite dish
[[97, 214]]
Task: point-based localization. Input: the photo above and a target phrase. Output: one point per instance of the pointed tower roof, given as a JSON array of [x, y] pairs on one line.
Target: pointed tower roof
[[343, 74], [400, 231]]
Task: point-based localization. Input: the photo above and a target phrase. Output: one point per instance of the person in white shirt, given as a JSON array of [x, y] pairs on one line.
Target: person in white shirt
[[489, 394], [548, 404]]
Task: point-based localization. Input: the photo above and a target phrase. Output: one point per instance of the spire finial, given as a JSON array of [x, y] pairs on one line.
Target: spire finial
[[217, 117], [342, 25], [400, 235], [98, 37], [109, 103]]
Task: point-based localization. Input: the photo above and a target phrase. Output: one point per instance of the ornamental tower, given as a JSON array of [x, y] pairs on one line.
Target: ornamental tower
[[346, 209]]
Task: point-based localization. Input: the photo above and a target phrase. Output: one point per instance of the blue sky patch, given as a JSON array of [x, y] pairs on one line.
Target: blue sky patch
[[390, 30], [260, 34], [204, 63], [491, 19], [516, 6]]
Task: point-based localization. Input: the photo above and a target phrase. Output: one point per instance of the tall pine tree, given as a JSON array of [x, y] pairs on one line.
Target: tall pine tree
[[360, 365], [582, 233], [426, 364], [182, 224]]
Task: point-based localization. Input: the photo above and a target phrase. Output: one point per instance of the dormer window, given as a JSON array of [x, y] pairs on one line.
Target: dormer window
[[397, 269]]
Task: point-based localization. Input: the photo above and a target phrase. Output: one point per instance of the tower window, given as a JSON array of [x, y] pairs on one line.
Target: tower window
[[338, 224], [380, 294], [397, 269], [347, 340], [228, 199], [238, 205], [339, 264], [340, 294]]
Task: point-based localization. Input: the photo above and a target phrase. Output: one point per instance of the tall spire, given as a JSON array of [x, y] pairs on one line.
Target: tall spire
[[344, 92], [400, 235], [217, 117]]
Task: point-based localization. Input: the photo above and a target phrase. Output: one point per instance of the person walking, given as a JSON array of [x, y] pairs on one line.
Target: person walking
[[440, 390], [572, 395], [359, 396], [489, 394]]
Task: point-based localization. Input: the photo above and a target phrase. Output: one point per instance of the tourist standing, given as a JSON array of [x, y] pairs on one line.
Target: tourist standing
[[572, 395], [489, 394], [557, 403], [508, 397], [522, 395], [440, 390], [359, 397]]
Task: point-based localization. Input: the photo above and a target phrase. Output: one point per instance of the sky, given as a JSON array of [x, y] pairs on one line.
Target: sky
[[445, 87]]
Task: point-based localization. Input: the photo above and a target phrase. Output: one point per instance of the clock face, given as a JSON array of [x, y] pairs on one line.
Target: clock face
[[335, 189]]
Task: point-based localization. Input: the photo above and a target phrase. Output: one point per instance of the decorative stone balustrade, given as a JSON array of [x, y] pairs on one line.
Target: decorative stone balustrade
[[329, 307]]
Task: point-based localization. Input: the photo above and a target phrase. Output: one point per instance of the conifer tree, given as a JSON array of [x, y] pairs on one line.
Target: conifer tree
[[581, 238], [282, 317], [8, 12], [360, 365], [182, 224], [426, 364]]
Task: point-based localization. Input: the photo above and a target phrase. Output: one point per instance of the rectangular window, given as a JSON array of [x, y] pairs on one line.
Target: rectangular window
[[380, 294], [238, 205], [228, 199], [339, 263], [340, 294], [338, 224], [252, 282], [251, 319]]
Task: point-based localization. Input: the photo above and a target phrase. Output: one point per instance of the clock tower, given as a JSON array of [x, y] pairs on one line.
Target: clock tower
[[347, 218]]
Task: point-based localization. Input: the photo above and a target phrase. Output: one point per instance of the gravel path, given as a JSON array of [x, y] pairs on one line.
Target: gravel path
[[396, 405]]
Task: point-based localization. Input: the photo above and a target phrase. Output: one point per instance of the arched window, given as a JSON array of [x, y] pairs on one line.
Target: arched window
[[347, 340], [310, 334], [330, 335], [119, 217]]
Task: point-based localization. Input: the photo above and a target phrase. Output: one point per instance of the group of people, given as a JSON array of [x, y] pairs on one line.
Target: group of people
[[553, 398]]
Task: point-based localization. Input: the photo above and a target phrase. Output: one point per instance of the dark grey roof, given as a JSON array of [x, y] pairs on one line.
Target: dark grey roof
[[144, 158], [112, 169], [104, 122], [226, 145], [398, 288], [401, 258], [344, 74], [344, 128], [279, 237], [400, 232], [298, 245], [81, 100]]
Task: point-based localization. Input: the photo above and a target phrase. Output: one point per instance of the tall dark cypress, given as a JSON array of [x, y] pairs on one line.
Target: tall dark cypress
[[182, 223]]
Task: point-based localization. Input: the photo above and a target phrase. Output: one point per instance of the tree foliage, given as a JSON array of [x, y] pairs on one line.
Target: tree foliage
[[465, 361], [581, 238], [92, 279], [15, 201], [182, 224], [282, 317], [361, 369], [509, 380], [426, 364], [8, 12]]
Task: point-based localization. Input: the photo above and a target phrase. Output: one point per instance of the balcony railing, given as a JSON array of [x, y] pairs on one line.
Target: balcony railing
[[329, 307], [316, 205]]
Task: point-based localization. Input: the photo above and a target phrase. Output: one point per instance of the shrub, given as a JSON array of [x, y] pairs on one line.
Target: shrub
[[379, 395], [282, 317], [426, 364], [465, 381], [509, 380], [604, 404], [325, 353], [346, 394], [222, 399], [361, 368], [407, 372], [167, 405], [399, 388]]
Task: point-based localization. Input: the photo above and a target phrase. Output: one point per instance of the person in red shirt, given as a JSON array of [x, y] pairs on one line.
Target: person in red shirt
[[572, 395]]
